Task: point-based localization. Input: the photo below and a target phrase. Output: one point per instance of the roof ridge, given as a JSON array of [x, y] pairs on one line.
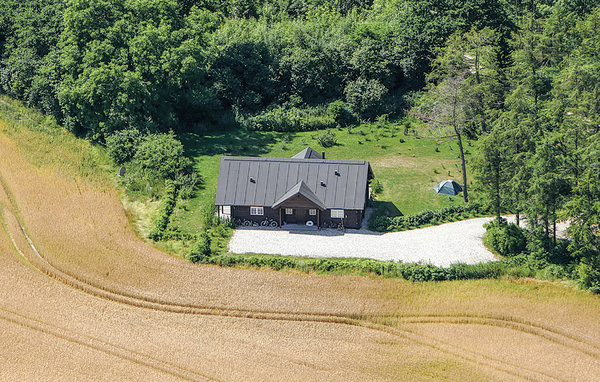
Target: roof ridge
[[297, 160]]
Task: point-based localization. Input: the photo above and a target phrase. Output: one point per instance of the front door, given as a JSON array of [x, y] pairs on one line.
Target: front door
[[290, 215]]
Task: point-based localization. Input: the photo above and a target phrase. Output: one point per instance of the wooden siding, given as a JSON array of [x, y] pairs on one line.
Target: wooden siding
[[352, 218]]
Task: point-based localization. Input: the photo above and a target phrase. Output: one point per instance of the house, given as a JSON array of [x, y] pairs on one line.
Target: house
[[305, 189]]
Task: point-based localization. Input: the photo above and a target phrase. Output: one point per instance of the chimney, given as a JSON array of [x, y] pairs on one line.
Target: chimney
[[323, 154]]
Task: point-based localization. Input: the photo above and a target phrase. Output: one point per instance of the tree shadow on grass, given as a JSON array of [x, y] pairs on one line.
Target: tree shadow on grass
[[231, 142], [383, 208]]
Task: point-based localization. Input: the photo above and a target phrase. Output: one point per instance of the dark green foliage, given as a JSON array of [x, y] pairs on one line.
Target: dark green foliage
[[588, 272], [160, 65], [201, 248], [506, 239], [161, 155], [427, 217], [366, 97], [122, 145], [341, 113]]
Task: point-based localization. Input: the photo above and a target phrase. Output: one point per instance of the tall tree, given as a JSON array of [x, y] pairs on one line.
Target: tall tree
[[492, 164], [547, 191]]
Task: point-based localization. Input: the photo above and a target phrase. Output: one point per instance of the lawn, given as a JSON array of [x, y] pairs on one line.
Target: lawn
[[407, 166]]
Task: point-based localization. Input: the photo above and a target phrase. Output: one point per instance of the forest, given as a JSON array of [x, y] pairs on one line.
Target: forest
[[520, 79]]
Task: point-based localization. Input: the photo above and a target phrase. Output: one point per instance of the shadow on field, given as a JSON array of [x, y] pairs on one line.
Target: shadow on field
[[231, 142], [383, 208]]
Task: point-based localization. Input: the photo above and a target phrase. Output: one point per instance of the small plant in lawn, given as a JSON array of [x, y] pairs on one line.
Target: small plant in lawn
[[327, 139]]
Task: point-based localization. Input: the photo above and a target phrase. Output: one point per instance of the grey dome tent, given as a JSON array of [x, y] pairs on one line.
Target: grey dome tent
[[448, 187]]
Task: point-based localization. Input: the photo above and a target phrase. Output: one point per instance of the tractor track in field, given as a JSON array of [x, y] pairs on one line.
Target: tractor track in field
[[452, 350], [103, 346], [17, 233]]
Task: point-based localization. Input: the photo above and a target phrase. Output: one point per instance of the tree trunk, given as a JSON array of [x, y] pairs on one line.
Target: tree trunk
[[462, 164], [518, 218]]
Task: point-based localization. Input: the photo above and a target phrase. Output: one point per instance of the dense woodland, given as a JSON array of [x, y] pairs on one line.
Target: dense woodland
[[520, 78]]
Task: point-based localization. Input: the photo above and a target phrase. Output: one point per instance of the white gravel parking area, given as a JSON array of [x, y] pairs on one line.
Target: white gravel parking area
[[458, 242]]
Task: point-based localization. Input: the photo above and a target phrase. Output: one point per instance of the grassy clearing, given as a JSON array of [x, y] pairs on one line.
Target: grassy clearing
[[407, 167]]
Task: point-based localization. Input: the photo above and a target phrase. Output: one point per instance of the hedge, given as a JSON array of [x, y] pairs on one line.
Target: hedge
[[161, 221], [427, 217], [407, 271]]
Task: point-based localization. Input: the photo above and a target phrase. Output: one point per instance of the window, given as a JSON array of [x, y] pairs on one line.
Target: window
[[226, 210], [337, 214], [312, 211], [289, 211], [257, 211]]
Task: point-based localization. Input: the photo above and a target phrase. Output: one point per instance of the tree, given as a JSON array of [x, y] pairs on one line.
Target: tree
[[161, 155], [548, 189], [365, 97], [491, 173], [445, 107]]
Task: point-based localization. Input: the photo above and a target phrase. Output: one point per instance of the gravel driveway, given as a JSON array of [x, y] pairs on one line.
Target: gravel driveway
[[458, 242]]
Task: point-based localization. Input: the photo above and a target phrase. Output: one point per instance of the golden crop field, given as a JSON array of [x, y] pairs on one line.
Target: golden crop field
[[83, 298]]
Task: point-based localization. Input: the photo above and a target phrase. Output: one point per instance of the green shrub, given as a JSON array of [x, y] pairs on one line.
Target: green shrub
[[327, 139], [187, 184], [201, 248], [588, 272], [209, 218], [365, 97], [341, 113], [122, 145], [161, 221], [161, 155], [427, 217], [289, 119], [376, 187], [506, 239]]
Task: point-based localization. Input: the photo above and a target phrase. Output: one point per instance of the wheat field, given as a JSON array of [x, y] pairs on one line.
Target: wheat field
[[83, 298]]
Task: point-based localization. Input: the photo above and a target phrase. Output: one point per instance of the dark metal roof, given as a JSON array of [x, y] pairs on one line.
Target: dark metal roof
[[300, 188], [308, 153], [252, 181]]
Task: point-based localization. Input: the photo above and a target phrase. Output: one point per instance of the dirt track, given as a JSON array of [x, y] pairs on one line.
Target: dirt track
[[82, 298]]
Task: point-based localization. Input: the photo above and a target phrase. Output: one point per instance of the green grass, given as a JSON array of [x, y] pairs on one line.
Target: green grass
[[49, 146], [407, 170]]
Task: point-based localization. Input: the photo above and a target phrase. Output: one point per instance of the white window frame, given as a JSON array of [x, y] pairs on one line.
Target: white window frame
[[256, 210], [337, 214], [312, 211], [289, 211], [226, 210]]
